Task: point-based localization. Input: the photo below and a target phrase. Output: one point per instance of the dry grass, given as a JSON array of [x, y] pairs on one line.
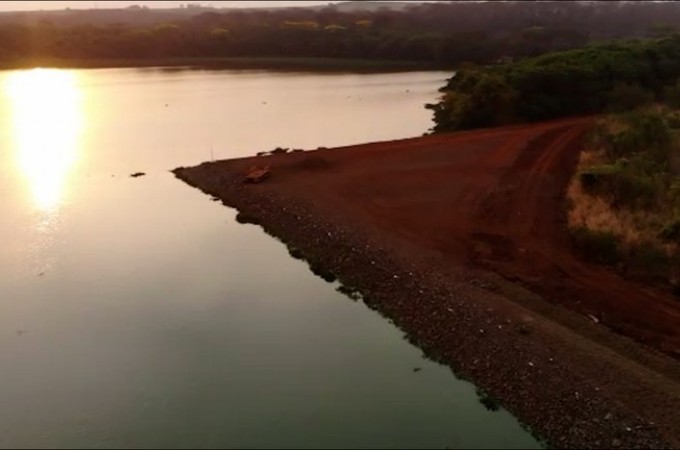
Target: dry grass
[[634, 228], [639, 252], [614, 125]]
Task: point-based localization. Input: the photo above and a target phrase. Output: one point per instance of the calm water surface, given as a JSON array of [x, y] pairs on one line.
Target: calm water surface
[[135, 312]]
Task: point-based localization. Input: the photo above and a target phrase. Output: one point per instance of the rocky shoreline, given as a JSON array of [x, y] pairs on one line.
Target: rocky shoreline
[[558, 386]]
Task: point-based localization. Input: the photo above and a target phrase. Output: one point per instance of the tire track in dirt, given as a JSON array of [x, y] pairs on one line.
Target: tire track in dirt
[[524, 224], [492, 198]]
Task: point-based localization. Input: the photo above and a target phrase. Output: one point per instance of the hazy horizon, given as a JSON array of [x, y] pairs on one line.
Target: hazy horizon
[[57, 5]]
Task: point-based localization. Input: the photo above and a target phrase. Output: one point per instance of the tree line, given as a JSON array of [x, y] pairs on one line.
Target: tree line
[[615, 76], [446, 33]]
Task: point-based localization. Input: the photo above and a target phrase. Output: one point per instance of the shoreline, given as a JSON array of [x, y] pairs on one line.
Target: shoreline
[[570, 390], [231, 63]]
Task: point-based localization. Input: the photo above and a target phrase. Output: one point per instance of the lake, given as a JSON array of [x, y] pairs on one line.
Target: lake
[[136, 312]]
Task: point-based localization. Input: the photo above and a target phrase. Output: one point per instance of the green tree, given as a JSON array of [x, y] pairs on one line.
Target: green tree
[[628, 96]]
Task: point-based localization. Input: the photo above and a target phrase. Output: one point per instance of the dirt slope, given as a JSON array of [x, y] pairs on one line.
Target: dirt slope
[[432, 228], [492, 198]]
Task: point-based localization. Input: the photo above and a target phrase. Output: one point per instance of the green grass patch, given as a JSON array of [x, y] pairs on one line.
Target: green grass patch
[[620, 182]]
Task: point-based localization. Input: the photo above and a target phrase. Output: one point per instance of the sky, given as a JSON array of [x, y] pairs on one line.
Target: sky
[[14, 5]]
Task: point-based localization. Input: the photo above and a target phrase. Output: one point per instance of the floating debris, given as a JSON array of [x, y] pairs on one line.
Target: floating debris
[[137, 174]]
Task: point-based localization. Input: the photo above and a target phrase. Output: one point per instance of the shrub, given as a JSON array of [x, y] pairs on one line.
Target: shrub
[[625, 97], [674, 120], [674, 195], [652, 132], [597, 246], [450, 112], [479, 99], [592, 178], [676, 290], [671, 95], [649, 261], [647, 132], [619, 182], [671, 231]]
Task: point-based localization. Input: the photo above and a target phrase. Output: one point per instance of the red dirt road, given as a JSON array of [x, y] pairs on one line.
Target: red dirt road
[[490, 198]]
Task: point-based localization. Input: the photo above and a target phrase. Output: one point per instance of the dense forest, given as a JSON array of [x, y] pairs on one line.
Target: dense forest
[[448, 33], [616, 76]]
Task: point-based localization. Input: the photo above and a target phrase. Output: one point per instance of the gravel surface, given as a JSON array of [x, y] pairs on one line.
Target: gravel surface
[[555, 384]]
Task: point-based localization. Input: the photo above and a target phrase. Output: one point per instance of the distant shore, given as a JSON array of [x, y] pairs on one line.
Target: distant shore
[[574, 383], [233, 63]]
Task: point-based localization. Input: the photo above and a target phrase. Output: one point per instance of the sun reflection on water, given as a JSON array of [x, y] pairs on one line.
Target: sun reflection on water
[[46, 124]]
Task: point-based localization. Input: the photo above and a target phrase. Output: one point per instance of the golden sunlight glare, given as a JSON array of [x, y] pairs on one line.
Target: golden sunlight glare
[[47, 120]]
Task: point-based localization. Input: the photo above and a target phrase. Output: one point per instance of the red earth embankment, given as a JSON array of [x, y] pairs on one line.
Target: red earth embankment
[[492, 198], [450, 208]]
